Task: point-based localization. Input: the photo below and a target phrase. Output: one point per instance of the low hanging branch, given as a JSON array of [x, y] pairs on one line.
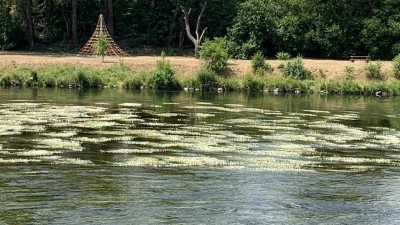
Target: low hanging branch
[[196, 41]]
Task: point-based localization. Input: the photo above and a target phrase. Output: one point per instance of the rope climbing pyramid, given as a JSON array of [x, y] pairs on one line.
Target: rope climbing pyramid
[[101, 30]]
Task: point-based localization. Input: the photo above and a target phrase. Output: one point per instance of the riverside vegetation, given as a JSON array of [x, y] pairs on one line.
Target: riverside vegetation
[[290, 76]]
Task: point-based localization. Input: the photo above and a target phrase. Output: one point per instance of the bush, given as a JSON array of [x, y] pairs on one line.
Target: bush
[[349, 73], [373, 71], [18, 77], [115, 75], [207, 80], [190, 82], [295, 69], [214, 55], [284, 56], [136, 82], [259, 65], [163, 78], [86, 78], [396, 67], [229, 84], [251, 83]]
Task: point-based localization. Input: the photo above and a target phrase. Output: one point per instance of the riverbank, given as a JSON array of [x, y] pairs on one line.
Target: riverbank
[[133, 72]]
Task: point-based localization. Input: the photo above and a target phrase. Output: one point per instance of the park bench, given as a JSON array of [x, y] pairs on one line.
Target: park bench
[[358, 57]]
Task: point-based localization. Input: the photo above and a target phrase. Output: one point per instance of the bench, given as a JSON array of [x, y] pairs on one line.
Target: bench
[[358, 57]]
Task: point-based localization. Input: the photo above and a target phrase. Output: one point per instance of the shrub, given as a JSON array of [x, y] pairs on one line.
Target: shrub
[[136, 82], [295, 69], [86, 78], [229, 84], [207, 80], [259, 65], [373, 71], [349, 73], [396, 67], [251, 83], [163, 78], [190, 82], [214, 55], [115, 75], [283, 56], [18, 77], [101, 46]]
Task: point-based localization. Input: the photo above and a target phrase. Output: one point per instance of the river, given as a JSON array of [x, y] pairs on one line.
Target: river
[[122, 157]]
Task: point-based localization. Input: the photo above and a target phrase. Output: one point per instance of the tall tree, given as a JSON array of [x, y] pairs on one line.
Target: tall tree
[[74, 21], [110, 20], [29, 23]]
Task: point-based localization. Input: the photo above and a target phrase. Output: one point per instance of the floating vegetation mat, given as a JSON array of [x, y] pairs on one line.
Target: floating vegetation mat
[[200, 134]]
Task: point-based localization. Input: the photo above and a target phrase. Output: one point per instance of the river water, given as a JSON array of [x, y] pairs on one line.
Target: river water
[[120, 157]]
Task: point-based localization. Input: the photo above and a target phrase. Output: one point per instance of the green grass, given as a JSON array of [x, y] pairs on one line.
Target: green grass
[[163, 78]]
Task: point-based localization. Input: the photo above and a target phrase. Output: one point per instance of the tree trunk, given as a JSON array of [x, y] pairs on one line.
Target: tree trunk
[[74, 21], [196, 40], [110, 20], [181, 38], [29, 23], [49, 6]]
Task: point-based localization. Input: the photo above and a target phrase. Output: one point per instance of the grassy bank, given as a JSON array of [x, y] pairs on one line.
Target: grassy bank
[[370, 81]]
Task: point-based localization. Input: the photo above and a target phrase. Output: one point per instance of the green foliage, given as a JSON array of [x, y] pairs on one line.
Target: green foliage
[[295, 69], [373, 71], [72, 77], [396, 67], [206, 80], [136, 81], [86, 78], [229, 84], [253, 28], [252, 83], [115, 75], [349, 73], [163, 78], [190, 82], [284, 56], [259, 65], [11, 32], [360, 88], [214, 55], [313, 28], [101, 46], [19, 77]]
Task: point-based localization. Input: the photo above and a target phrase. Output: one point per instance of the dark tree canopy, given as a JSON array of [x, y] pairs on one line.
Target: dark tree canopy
[[312, 28]]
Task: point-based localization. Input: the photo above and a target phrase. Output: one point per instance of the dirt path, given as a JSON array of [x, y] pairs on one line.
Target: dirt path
[[184, 66]]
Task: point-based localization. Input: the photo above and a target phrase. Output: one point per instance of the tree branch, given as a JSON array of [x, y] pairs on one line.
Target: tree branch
[[186, 13], [198, 20], [202, 34]]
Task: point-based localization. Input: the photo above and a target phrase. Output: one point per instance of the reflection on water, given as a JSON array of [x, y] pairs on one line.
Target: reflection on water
[[99, 157]]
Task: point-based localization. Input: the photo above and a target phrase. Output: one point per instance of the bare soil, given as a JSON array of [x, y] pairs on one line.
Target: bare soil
[[184, 66]]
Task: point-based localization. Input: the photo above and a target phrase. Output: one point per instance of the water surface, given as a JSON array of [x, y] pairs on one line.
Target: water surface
[[114, 156]]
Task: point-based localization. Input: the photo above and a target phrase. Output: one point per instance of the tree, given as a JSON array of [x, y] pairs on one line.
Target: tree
[[74, 21], [101, 46], [196, 41], [253, 29], [29, 23], [110, 20]]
